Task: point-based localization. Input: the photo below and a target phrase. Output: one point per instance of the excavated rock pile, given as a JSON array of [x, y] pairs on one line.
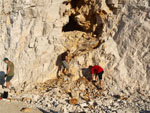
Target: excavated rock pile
[[63, 96]]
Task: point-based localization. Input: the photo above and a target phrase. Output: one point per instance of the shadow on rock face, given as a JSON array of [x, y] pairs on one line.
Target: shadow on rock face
[[86, 73], [58, 64], [2, 78], [43, 111], [143, 111]]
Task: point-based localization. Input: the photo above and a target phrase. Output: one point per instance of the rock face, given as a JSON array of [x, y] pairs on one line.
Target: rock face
[[31, 37], [33, 33]]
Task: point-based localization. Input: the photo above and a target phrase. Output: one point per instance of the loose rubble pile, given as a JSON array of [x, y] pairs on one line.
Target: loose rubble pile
[[64, 96]]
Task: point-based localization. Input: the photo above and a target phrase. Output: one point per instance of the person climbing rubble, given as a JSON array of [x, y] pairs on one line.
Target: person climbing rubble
[[98, 72], [65, 59], [9, 72]]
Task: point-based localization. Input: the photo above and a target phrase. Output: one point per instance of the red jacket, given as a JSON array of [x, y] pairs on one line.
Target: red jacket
[[96, 69]]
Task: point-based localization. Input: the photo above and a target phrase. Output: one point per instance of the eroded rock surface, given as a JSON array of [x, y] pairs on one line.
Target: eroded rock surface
[[111, 33]]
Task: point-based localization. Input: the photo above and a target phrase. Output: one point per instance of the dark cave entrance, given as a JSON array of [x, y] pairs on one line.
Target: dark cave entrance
[[74, 3], [72, 25], [88, 25], [77, 3]]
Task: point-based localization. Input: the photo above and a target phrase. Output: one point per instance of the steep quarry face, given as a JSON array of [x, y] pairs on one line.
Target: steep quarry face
[[111, 33]]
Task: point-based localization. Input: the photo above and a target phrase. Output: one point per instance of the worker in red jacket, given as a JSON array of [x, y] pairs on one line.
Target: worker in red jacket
[[98, 72]]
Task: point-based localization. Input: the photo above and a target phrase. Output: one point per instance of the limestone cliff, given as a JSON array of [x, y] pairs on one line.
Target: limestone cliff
[[111, 33]]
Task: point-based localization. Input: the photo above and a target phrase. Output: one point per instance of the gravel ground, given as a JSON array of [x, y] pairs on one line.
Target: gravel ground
[[7, 106], [63, 96]]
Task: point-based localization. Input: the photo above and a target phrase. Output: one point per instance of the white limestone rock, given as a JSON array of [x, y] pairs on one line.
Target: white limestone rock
[[31, 36]]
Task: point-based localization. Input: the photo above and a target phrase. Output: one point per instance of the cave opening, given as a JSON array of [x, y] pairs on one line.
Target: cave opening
[[74, 3], [77, 3], [72, 25]]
